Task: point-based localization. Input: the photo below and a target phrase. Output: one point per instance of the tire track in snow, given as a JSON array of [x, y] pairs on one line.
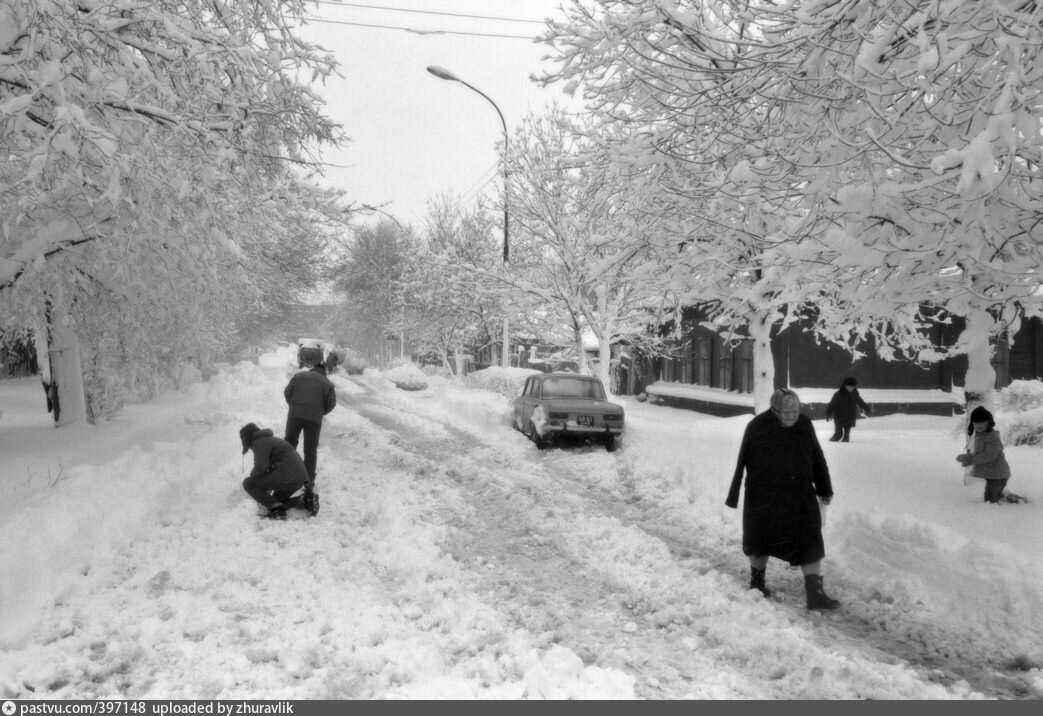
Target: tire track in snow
[[894, 636], [547, 588], [531, 579]]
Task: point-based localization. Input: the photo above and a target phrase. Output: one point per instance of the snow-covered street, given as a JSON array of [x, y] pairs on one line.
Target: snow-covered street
[[452, 559]]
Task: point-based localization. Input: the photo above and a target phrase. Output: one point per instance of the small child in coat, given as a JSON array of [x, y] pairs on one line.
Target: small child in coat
[[843, 410], [985, 456], [278, 472]]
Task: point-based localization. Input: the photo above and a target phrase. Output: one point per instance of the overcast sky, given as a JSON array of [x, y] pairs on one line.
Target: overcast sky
[[414, 136]]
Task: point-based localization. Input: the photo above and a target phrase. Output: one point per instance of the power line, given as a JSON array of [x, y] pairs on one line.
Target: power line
[[479, 186], [426, 12], [530, 38]]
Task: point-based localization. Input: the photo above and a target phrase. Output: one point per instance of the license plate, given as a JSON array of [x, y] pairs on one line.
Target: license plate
[[585, 420]]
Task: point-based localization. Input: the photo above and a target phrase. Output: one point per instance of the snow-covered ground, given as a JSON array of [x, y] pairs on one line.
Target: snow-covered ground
[[452, 559]]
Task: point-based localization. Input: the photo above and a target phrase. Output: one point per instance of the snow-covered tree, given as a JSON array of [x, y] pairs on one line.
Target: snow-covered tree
[[141, 135], [370, 275], [450, 306], [713, 157], [872, 148], [931, 140], [582, 256]]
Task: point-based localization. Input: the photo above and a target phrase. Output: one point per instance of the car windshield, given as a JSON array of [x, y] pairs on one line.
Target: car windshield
[[572, 388]]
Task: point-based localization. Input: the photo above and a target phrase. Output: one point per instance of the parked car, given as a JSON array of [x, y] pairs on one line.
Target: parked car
[[561, 406], [310, 352]]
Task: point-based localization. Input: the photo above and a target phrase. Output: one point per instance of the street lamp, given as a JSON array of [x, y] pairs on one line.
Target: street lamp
[[444, 74]]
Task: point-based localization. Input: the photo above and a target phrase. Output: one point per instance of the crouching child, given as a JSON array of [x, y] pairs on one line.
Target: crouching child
[[984, 455], [278, 472]]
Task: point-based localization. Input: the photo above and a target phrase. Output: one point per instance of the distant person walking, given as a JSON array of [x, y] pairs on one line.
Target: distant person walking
[[843, 410], [310, 396], [786, 480], [984, 455], [332, 361]]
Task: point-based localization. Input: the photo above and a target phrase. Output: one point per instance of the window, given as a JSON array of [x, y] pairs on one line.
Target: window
[[743, 377], [1001, 361], [703, 361], [572, 388], [724, 369]]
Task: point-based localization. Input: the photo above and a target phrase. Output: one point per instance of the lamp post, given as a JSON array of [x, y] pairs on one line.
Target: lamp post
[[444, 74]]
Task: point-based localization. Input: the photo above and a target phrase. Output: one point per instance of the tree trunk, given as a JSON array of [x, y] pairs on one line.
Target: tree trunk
[[605, 361], [763, 363], [604, 336], [980, 382], [70, 405], [581, 354], [458, 358], [505, 354], [43, 363]]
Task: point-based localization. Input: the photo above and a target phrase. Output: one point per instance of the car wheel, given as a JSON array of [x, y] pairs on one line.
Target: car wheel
[[539, 440]]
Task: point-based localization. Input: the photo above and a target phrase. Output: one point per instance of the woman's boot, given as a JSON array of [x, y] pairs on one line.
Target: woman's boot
[[817, 598], [757, 580]]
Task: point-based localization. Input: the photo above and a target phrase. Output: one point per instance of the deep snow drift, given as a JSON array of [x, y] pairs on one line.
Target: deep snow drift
[[451, 559]]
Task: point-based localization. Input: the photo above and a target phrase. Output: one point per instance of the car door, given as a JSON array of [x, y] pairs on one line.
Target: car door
[[527, 401], [519, 405]]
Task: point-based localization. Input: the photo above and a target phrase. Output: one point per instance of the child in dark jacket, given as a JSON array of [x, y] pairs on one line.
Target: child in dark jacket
[[843, 410], [985, 457], [278, 471], [310, 396]]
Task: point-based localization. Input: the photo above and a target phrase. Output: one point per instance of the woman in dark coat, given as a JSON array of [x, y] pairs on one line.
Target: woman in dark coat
[[786, 478], [843, 410]]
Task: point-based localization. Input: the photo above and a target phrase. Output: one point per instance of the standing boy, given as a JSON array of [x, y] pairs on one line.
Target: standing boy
[[843, 410], [310, 396]]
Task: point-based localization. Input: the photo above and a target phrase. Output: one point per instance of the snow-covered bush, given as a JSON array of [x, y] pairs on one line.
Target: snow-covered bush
[[505, 381], [1019, 412], [407, 376], [186, 373], [1021, 428], [1020, 396], [437, 370], [353, 362]]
